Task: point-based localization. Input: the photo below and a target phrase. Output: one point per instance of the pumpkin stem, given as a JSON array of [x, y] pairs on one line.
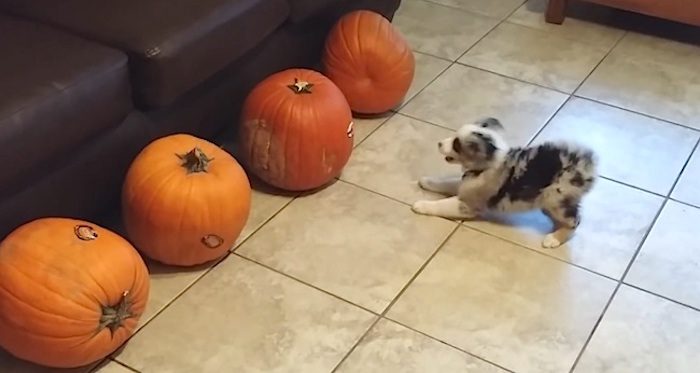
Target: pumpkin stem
[[195, 161], [300, 87], [113, 316]]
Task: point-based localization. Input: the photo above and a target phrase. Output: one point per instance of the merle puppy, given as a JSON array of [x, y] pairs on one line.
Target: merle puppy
[[552, 177]]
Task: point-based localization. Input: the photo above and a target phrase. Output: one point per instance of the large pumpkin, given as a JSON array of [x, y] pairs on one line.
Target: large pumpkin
[[71, 292], [371, 63], [296, 130], [185, 200]]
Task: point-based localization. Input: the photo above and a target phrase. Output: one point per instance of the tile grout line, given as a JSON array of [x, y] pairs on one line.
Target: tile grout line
[[115, 355], [236, 246], [536, 251], [374, 192], [502, 75], [631, 186], [355, 345], [618, 281], [124, 366], [304, 283], [214, 264], [420, 270], [533, 137], [548, 121], [666, 121], [485, 232], [447, 344], [473, 12], [379, 316], [398, 295], [569, 98], [649, 292], [588, 76], [566, 37], [444, 59], [457, 227], [380, 125], [453, 62], [403, 104], [684, 203], [383, 314], [576, 94], [572, 94], [409, 116], [682, 170], [617, 288], [639, 248]]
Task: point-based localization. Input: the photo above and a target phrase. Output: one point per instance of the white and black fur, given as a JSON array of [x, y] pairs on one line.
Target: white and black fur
[[552, 177]]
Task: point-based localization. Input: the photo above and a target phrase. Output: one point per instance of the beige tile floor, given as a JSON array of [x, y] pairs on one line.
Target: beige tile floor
[[349, 280]]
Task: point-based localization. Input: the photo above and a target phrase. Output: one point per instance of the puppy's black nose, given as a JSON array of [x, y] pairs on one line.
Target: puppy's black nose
[[438, 146]]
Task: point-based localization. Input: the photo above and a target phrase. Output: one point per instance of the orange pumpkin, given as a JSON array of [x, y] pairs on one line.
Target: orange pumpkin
[[71, 292], [185, 201], [371, 63], [296, 130]]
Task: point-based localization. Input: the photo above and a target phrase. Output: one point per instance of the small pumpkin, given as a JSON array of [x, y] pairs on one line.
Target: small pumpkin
[[185, 201], [71, 292], [369, 60], [296, 130]]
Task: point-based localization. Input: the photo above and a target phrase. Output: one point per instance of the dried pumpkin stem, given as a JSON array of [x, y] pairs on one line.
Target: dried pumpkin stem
[[195, 161], [113, 316], [300, 87]]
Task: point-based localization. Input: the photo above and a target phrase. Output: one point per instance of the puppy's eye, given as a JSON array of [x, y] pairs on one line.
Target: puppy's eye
[[456, 146], [473, 147]]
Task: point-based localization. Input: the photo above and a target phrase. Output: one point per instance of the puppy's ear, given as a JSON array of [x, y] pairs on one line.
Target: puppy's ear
[[457, 145], [491, 123]]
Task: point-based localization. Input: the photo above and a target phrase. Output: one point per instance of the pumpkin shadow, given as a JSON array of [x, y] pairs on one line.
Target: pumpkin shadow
[[385, 114], [163, 270], [259, 185]]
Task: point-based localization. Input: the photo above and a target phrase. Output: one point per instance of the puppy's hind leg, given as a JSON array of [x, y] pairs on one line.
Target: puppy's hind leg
[[566, 218], [451, 208], [447, 185]]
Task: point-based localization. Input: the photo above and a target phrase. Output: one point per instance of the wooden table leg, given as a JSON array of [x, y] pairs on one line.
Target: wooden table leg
[[556, 11]]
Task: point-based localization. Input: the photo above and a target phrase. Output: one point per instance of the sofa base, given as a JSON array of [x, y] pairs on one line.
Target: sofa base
[[83, 185], [88, 185]]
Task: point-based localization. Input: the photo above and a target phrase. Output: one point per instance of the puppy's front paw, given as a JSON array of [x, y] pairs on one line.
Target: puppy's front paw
[[421, 207], [426, 182], [551, 241]]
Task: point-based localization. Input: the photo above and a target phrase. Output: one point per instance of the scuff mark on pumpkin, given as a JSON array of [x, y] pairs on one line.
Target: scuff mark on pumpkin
[[261, 140], [212, 241], [327, 161], [85, 232]]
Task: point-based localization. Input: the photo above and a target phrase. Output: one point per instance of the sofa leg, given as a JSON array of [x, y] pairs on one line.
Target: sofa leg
[[556, 11]]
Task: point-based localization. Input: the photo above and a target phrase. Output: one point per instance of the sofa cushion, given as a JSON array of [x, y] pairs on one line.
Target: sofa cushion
[[81, 186], [57, 91], [301, 10], [173, 44]]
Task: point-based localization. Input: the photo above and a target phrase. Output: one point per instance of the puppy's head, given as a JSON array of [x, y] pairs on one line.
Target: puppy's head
[[474, 146]]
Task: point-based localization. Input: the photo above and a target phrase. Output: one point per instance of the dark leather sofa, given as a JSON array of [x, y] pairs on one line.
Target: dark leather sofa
[[86, 84]]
